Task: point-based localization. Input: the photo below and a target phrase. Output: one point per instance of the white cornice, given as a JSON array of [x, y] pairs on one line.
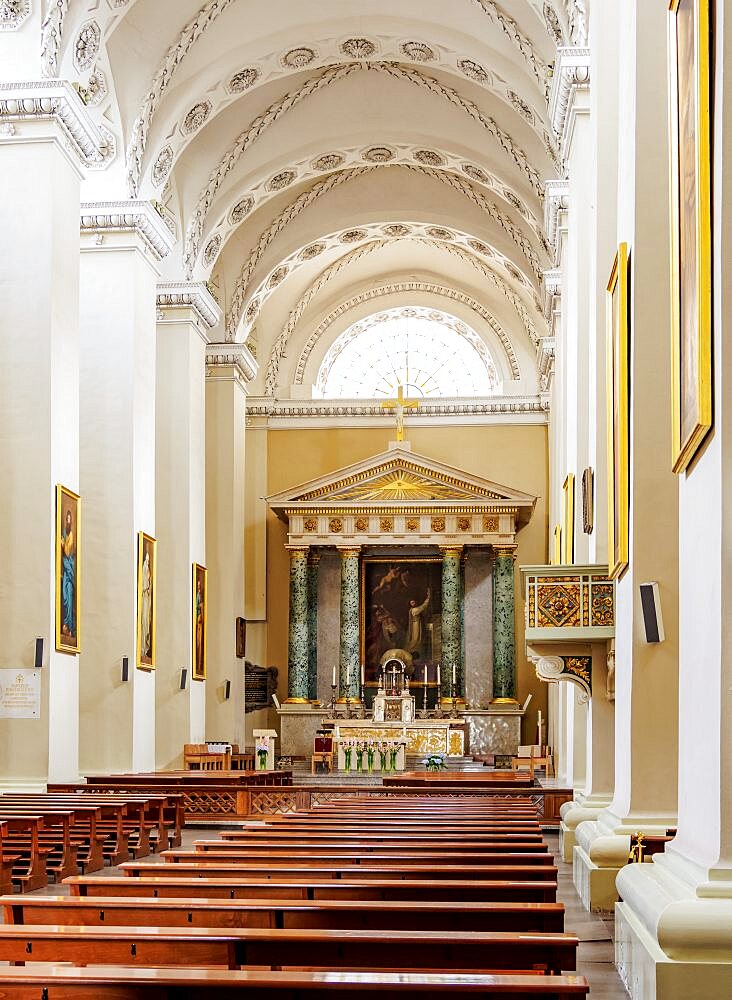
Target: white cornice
[[100, 217], [556, 200], [265, 406], [236, 356], [571, 74], [172, 294], [53, 101]]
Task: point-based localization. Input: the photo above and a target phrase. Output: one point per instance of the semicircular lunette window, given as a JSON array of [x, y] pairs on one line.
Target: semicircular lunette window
[[426, 351]]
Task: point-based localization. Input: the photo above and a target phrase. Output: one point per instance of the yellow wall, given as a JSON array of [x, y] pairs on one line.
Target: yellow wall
[[514, 456]]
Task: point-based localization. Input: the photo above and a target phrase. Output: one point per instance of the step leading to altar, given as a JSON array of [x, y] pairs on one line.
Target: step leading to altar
[[492, 730]]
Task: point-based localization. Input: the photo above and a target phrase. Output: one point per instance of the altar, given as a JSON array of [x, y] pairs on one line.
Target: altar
[[420, 737]]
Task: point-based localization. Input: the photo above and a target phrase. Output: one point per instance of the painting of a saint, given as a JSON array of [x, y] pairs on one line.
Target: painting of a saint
[[618, 401], [68, 509], [691, 227], [401, 610], [199, 622], [146, 602]]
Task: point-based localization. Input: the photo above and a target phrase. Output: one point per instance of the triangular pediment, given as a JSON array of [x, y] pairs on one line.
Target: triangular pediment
[[398, 476]]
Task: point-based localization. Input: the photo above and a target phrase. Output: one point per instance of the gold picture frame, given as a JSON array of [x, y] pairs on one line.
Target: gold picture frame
[[588, 501], [568, 520], [618, 398], [147, 611], [199, 622], [68, 570], [556, 556], [691, 227]]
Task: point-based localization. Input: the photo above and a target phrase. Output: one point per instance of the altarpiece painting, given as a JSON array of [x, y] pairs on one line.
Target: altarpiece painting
[[68, 518]]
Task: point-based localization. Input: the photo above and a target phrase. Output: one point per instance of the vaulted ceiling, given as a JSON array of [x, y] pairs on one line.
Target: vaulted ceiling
[[322, 160]]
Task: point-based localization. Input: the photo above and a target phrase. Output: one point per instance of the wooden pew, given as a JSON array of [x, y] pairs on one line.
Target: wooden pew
[[311, 914], [27, 863], [79, 842], [162, 814], [351, 858], [393, 836], [299, 872], [210, 984], [504, 890], [303, 847], [276, 949]]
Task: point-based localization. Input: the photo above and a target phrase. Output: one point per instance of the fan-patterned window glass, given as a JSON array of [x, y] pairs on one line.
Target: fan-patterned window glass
[[427, 352]]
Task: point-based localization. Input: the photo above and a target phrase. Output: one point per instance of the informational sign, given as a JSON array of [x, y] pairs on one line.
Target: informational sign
[[20, 694]]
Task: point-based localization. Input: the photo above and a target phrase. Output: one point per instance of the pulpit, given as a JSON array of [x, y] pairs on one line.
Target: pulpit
[[392, 701], [264, 748]]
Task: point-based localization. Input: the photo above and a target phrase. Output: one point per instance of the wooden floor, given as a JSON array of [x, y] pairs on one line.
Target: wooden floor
[[595, 955]]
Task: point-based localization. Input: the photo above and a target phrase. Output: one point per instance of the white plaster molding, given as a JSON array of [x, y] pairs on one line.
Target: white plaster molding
[[236, 356], [52, 29], [54, 100], [13, 13], [610, 684], [101, 217], [556, 200], [265, 406], [571, 74], [551, 669], [173, 294], [545, 354], [523, 43], [552, 280]]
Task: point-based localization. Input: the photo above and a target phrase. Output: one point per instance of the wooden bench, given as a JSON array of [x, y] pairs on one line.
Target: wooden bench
[[497, 890], [466, 779], [205, 984], [294, 872], [277, 949], [26, 863], [361, 846], [163, 811], [116, 911], [349, 858]]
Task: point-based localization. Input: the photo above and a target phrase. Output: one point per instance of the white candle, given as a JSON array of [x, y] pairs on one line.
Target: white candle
[[425, 675], [439, 679], [363, 675], [334, 676], [453, 675], [539, 727]]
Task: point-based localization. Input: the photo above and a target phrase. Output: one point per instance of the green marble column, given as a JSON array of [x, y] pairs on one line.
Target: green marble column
[[313, 561], [451, 619], [350, 626], [504, 627], [297, 650]]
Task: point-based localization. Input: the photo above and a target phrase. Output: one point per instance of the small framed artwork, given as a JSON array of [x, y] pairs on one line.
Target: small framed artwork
[[200, 621], [618, 397], [588, 501], [556, 559], [568, 520], [68, 527], [146, 601], [690, 41], [241, 637]]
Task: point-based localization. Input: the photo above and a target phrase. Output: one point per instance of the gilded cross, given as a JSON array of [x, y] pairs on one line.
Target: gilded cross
[[400, 404]]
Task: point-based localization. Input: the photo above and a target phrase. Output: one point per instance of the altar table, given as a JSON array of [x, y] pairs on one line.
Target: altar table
[[421, 736]]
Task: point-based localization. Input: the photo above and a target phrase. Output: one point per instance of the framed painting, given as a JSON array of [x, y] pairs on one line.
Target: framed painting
[[568, 520], [691, 226], [199, 618], [588, 501], [146, 601], [241, 638], [401, 611], [556, 554], [68, 527], [618, 399]]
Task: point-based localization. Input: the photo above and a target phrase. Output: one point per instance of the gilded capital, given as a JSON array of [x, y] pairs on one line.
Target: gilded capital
[[297, 552], [451, 550], [505, 552], [349, 551]]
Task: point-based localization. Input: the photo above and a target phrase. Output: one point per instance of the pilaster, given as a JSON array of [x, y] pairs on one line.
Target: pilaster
[[186, 313]]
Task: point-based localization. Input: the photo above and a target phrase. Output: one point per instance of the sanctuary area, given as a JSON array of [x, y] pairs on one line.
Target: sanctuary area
[[366, 439]]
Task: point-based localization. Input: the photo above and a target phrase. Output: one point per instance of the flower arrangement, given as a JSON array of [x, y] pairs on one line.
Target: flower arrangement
[[348, 746], [262, 751], [435, 762]]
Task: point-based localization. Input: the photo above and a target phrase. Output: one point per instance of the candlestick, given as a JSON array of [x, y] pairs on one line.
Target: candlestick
[[425, 675], [334, 682], [454, 681], [439, 680], [363, 675]]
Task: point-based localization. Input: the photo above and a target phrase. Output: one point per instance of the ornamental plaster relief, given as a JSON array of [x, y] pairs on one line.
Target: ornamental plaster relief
[[245, 309], [260, 188], [13, 13], [52, 101], [174, 146]]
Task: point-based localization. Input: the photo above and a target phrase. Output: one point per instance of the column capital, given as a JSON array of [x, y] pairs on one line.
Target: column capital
[[348, 550], [505, 552], [455, 550], [125, 220], [236, 357], [298, 551], [188, 295], [571, 76], [51, 109], [556, 201], [313, 557]]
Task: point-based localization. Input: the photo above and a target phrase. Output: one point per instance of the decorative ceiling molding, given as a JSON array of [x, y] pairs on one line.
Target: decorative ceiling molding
[[260, 406], [571, 75], [262, 188], [522, 42], [555, 202], [173, 294], [160, 83], [247, 306], [52, 29], [236, 356], [13, 13], [53, 100], [393, 288], [101, 217]]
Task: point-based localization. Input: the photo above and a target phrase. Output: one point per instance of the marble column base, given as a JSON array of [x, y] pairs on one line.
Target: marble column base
[[672, 943], [601, 850], [572, 814]]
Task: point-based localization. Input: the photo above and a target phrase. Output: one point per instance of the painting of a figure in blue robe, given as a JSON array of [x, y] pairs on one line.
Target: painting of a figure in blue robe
[[68, 517]]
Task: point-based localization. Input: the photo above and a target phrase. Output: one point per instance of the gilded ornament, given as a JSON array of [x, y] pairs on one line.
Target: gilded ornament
[[579, 665], [335, 525], [412, 524], [464, 523], [362, 524], [386, 524], [490, 524], [438, 524], [311, 524]]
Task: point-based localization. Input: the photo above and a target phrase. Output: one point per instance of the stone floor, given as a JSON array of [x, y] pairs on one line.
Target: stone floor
[[595, 956]]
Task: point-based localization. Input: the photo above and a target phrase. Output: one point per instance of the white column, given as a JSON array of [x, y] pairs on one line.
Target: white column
[[186, 314], [674, 927], [39, 407], [646, 699], [229, 367], [120, 247]]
